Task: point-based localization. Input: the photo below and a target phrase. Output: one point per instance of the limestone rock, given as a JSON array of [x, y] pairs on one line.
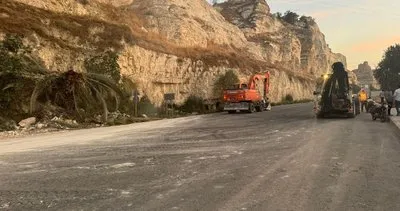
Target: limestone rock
[[40, 125], [176, 46], [296, 47], [365, 75], [26, 123]]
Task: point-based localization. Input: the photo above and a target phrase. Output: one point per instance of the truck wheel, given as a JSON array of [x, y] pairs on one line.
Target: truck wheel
[[260, 108], [231, 112], [320, 115], [351, 115], [252, 108], [384, 117]]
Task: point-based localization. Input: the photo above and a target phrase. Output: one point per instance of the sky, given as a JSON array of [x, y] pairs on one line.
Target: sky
[[360, 29]]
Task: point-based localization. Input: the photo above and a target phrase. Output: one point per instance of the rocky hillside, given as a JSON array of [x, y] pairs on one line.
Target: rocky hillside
[[365, 75], [300, 47], [174, 46]]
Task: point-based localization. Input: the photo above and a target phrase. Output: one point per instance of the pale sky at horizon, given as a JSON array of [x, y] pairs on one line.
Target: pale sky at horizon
[[359, 29]]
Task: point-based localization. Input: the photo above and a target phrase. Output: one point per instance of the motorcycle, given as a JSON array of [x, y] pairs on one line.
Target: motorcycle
[[379, 111]]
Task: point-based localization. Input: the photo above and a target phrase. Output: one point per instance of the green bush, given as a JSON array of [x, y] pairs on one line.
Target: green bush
[[290, 17], [193, 104], [146, 107], [225, 81], [19, 71], [307, 20], [294, 18], [106, 64], [12, 52], [288, 98], [80, 94]]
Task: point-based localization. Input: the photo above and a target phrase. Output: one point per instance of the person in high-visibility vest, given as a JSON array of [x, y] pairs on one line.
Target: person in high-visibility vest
[[363, 96]]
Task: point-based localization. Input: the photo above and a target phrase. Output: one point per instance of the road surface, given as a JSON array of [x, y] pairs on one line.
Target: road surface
[[279, 160]]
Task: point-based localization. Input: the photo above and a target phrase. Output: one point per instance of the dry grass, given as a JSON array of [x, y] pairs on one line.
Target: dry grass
[[24, 19], [263, 38]]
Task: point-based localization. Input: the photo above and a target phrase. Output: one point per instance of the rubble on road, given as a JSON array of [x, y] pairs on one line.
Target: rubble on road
[[33, 125]]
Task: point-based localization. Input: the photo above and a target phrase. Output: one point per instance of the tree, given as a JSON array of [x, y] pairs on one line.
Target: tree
[[278, 15], [388, 70], [307, 20], [291, 17], [225, 81]]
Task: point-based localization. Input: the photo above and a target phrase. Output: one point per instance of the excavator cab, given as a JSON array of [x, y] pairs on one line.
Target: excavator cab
[[238, 87]]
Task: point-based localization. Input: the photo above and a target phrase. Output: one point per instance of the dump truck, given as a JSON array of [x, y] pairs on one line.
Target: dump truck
[[333, 95], [248, 97]]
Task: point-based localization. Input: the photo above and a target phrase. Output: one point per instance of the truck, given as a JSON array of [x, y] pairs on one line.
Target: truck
[[250, 97], [333, 94]]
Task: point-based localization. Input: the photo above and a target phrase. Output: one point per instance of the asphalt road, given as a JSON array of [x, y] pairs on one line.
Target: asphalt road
[[279, 160]]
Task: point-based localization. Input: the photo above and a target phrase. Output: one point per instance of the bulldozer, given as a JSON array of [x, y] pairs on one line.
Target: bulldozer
[[248, 97], [333, 95]]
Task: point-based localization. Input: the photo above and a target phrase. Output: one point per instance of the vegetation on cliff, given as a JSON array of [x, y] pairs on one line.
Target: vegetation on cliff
[[18, 73], [295, 19], [27, 87]]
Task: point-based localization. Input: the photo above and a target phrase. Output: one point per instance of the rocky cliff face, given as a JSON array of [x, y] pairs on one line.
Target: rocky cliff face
[[299, 47], [174, 45], [365, 75], [353, 78]]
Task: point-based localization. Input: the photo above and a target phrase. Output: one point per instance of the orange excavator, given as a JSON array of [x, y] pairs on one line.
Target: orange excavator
[[249, 97]]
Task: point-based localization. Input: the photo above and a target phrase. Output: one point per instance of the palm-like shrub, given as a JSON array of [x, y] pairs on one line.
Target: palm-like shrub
[[80, 94]]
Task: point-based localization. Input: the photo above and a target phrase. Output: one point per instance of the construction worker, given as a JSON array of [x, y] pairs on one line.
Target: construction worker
[[389, 100], [362, 96], [382, 96], [356, 103]]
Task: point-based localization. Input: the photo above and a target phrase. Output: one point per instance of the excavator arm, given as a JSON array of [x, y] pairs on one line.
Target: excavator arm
[[251, 98], [266, 82]]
